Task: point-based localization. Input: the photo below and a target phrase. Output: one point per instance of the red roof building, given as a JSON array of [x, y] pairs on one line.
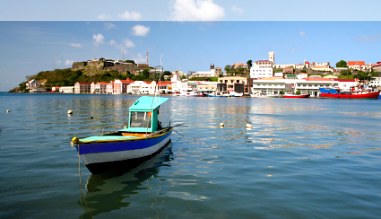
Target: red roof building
[[356, 65]]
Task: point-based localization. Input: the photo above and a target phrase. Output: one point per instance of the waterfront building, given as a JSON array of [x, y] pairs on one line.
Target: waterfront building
[[117, 89], [99, 87], [120, 86], [141, 87], [261, 69], [34, 86], [347, 84], [236, 84], [165, 87], [66, 89], [206, 86], [148, 87], [276, 86], [82, 87], [376, 82], [183, 86]]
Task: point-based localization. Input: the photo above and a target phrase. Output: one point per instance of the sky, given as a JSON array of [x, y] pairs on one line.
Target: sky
[[186, 35]]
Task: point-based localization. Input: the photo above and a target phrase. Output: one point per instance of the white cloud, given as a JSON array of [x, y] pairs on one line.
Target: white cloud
[[237, 10], [113, 42], [139, 58], [104, 17], [369, 38], [196, 10], [140, 30], [98, 39], [123, 46], [127, 15], [128, 44], [75, 45], [109, 26], [69, 62]]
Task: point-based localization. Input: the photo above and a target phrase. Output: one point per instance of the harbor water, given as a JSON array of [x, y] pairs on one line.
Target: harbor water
[[273, 158]]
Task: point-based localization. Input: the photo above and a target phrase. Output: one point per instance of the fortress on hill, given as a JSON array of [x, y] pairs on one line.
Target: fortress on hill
[[97, 66]]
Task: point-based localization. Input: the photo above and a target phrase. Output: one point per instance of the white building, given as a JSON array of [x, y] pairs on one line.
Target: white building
[[210, 73], [347, 84], [34, 86], [321, 66], [66, 89], [376, 82], [141, 87], [99, 87], [206, 86], [261, 69], [275, 86]]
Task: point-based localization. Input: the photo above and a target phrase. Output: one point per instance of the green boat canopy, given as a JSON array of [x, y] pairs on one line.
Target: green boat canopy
[[144, 115], [147, 103]]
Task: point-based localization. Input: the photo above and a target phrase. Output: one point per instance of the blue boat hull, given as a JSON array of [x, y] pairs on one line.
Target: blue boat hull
[[123, 165], [100, 156]]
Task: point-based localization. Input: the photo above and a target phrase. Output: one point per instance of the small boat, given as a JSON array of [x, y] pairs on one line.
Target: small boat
[[296, 95], [141, 139], [219, 94], [236, 94], [354, 94]]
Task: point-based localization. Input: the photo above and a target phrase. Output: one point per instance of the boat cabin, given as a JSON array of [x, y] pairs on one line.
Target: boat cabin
[[144, 114]]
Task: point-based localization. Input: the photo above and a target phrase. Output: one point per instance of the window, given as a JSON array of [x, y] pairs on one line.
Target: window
[[140, 120]]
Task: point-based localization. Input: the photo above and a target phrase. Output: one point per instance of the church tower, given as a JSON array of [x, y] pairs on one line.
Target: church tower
[[272, 57]]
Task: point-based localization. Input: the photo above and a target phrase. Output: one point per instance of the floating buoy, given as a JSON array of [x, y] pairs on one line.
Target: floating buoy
[[249, 125], [222, 125], [8, 110], [70, 111], [74, 140]]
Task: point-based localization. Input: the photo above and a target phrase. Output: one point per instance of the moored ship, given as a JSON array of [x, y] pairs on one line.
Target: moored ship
[[353, 94]]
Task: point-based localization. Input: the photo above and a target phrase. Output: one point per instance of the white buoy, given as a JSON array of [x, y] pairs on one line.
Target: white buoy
[[222, 125], [249, 125], [70, 111], [8, 111]]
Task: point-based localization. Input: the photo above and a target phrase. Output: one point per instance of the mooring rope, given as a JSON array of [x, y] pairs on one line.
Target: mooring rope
[[82, 199]]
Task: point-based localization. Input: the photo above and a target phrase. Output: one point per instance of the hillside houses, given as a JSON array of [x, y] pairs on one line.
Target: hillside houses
[[175, 82]]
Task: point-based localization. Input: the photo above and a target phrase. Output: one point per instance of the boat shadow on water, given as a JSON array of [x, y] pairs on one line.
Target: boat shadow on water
[[110, 190]]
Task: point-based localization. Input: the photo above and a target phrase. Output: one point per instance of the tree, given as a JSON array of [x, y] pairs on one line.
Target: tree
[[130, 61], [228, 69], [249, 64], [341, 64], [346, 74], [145, 74]]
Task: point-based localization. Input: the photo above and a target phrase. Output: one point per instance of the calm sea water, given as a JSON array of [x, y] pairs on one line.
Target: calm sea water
[[302, 158]]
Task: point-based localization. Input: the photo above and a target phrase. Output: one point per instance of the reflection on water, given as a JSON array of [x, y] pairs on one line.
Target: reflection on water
[[309, 158], [109, 191]]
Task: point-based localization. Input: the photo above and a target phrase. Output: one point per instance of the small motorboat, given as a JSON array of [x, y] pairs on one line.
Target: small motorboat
[[296, 95], [141, 139]]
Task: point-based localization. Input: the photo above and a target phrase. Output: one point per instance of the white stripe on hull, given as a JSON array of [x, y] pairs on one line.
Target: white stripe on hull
[[122, 155]]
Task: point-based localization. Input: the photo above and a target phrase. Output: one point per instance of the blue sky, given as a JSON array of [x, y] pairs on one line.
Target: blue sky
[[196, 10], [42, 36]]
